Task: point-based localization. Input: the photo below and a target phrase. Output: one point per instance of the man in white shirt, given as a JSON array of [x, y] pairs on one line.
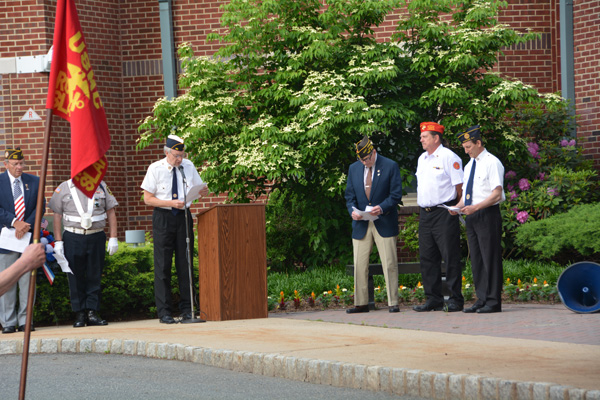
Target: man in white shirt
[[483, 194], [439, 178], [164, 189]]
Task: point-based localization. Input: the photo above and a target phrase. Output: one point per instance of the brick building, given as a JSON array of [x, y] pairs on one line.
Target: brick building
[[124, 43]]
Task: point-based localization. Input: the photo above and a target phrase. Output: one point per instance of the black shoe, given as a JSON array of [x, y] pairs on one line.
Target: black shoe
[[429, 307], [186, 315], [167, 319], [358, 309], [393, 309], [489, 309], [21, 328], [8, 329], [473, 308], [94, 320], [453, 307], [79, 319]]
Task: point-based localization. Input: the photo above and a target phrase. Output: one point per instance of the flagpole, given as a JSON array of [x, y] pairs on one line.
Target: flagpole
[[39, 211]]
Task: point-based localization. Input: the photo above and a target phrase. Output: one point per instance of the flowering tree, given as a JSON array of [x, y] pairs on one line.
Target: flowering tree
[[298, 82]]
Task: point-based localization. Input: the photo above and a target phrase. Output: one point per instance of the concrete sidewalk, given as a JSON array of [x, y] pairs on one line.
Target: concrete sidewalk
[[525, 352]]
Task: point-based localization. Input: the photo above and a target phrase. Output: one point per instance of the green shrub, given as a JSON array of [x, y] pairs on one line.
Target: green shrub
[[565, 238]]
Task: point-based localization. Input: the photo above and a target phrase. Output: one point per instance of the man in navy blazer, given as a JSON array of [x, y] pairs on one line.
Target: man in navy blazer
[[13, 314], [375, 186]]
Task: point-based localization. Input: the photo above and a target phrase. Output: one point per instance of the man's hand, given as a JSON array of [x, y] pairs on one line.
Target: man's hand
[[34, 256], [376, 211], [204, 191], [113, 246], [21, 228], [356, 216], [178, 204]]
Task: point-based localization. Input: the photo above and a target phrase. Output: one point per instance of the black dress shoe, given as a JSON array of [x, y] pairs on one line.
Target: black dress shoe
[[94, 320], [8, 329], [186, 315], [489, 309], [358, 309], [473, 308], [21, 328], [79, 319], [429, 307], [453, 307], [167, 319], [394, 309]]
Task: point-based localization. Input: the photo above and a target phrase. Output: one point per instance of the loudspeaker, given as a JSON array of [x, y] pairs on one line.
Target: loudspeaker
[[579, 287]]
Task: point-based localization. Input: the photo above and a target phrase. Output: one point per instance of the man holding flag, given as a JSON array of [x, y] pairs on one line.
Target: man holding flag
[[84, 202]]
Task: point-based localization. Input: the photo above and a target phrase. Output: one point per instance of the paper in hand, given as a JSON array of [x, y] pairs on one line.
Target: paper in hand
[[366, 216], [10, 242]]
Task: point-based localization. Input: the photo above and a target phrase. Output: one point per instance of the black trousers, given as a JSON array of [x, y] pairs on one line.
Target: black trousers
[[484, 233], [85, 254], [439, 239], [169, 235]]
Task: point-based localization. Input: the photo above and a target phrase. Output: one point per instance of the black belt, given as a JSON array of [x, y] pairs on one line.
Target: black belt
[[450, 203]]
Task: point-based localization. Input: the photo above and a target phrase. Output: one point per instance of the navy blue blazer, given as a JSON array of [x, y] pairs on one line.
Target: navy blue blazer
[[7, 203], [386, 192]]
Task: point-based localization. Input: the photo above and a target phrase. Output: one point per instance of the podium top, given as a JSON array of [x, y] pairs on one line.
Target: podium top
[[239, 205]]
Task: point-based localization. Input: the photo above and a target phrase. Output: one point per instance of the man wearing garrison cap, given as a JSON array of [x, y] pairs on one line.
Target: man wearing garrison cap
[[18, 201], [484, 191], [375, 186], [439, 183], [164, 189]]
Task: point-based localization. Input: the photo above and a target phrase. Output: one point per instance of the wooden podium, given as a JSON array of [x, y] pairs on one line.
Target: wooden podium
[[232, 262]]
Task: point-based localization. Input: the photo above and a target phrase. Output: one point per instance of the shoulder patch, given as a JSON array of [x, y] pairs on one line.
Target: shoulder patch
[[456, 165], [57, 190]]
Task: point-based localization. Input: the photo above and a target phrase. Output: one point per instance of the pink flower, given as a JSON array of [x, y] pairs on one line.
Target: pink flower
[[522, 216], [552, 191], [510, 188], [564, 143], [524, 184], [513, 195], [542, 176], [510, 175], [533, 149]]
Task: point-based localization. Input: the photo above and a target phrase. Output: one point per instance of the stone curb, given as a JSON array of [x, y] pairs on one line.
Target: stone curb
[[399, 381]]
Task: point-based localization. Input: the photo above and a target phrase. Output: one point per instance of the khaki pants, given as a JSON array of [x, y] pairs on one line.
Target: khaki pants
[[386, 246]]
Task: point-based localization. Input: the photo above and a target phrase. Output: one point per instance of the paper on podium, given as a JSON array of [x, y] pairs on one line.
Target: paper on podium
[[10, 242], [365, 214], [193, 192]]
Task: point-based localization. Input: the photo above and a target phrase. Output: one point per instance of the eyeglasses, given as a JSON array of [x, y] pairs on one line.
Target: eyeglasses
[[180, 156], [365, 159]]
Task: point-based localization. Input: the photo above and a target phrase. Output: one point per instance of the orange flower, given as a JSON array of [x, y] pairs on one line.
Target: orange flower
[[464, 279], [534, 280], [507, 281]]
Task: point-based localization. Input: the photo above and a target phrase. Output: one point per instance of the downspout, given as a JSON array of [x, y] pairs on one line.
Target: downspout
[[567, 57], [169, 61]]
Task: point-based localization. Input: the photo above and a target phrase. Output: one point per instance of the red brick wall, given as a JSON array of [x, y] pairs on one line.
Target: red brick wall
[[586, 16], [123, 39]]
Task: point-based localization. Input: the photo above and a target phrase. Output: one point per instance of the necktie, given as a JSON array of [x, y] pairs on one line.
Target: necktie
[[368, 184], [469, 194], [19, 202], [174, 191]]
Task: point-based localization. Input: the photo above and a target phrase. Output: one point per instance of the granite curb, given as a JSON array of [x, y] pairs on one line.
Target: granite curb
[[399, 381]]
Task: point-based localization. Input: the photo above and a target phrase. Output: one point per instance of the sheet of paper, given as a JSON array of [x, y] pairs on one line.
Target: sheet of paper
[[451, 208], [193, 192], [10, 242], [365, 214], [64, 264]]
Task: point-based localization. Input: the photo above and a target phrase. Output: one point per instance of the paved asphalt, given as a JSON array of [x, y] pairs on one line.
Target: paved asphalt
[[101, 377]]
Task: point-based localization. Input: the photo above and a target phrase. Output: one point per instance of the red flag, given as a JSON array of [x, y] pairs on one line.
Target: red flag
[[73, 95]]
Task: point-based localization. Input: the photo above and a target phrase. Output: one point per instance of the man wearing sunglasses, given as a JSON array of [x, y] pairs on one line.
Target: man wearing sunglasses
[[374, 186]]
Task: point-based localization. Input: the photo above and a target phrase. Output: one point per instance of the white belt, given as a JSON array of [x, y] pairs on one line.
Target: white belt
[[95, 218], [80, 231]]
